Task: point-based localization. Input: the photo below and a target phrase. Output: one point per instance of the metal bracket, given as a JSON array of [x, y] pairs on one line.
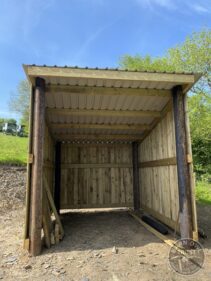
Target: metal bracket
[[26, 244], [195, 236], [189, 158], [30, 158]]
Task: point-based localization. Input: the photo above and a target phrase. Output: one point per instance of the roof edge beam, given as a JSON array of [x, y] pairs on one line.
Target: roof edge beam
[[33, 71]]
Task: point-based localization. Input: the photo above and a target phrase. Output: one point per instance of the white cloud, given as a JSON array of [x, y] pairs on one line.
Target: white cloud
[[168, 4], [199, 8]]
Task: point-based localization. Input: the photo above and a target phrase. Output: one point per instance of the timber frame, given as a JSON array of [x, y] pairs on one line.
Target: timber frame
[[106, 110]]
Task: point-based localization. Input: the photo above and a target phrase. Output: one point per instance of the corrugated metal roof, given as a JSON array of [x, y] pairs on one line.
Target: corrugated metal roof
[[64, 119], [91, 82], [90, 103], [112, 69], [109, 77], [75, 101], [102, 90], [91, 131]]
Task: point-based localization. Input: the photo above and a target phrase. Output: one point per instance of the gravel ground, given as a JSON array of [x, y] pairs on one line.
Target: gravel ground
[[12, 187], [97, 246]]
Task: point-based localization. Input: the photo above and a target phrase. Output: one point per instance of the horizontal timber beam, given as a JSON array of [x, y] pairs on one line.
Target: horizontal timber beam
[[108, 91], [77, 73], [160, 162], [103, 112], [155, 122], [109, 137], [96, 206], [100, 126], [94, 165]]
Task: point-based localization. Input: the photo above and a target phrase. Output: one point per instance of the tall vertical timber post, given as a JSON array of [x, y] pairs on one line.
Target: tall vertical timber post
[[37, 167], [136, 192], [57, 175], [29, 166], [185, 212]]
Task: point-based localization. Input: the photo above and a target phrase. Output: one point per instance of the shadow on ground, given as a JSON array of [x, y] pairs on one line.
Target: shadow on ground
[[101, 230]]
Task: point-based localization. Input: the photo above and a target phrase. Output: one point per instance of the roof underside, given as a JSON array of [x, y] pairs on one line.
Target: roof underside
[[105, 105]]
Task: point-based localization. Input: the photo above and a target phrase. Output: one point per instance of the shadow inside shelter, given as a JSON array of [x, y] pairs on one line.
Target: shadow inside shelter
[[98, 230]]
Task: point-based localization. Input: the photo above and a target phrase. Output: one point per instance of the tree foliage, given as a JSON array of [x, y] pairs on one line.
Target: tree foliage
[[8, 120], [19, 101], [193, 55], [148, 63]]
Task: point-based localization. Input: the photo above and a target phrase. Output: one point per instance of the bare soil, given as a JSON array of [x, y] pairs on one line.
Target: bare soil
[[98, 245]]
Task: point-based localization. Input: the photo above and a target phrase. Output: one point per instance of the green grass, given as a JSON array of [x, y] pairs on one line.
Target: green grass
[[203, 193], [13, 150]]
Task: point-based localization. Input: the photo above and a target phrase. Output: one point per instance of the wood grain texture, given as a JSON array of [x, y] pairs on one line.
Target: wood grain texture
[[37, 171], [184, 184], [158, 163], [49, 158], [92, 178], [192, 179], [33, 71], [158, 173]]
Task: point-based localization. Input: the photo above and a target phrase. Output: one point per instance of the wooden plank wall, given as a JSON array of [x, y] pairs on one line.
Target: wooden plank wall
[[49, 158], [96, 176], [158, 179]]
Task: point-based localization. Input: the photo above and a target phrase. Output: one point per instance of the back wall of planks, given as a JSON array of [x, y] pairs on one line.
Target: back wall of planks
[[96, 176], [158, 172]]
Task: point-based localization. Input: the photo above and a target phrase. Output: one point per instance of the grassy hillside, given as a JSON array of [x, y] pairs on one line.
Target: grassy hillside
[[13, 150]]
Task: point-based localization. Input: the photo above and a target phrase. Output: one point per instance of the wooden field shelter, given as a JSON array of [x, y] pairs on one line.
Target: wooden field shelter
[[109, 138]]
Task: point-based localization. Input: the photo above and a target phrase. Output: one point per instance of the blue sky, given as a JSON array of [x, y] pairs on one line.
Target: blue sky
[[89, 33]]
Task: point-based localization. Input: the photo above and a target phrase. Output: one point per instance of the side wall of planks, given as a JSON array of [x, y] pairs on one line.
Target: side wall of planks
[[96, 176], [158, 179]]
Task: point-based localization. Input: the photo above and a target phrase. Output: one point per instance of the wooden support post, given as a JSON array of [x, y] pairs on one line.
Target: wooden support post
[[29, 172], [37, 167], [136, 193], [57, 176], [192, 178], [185, 216]]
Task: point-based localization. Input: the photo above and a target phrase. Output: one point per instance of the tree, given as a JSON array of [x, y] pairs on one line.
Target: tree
[[20, 101], [193, 55], [145, 63], [6, 120]]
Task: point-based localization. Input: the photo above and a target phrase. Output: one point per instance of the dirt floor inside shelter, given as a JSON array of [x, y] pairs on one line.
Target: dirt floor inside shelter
[[97, 246]]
